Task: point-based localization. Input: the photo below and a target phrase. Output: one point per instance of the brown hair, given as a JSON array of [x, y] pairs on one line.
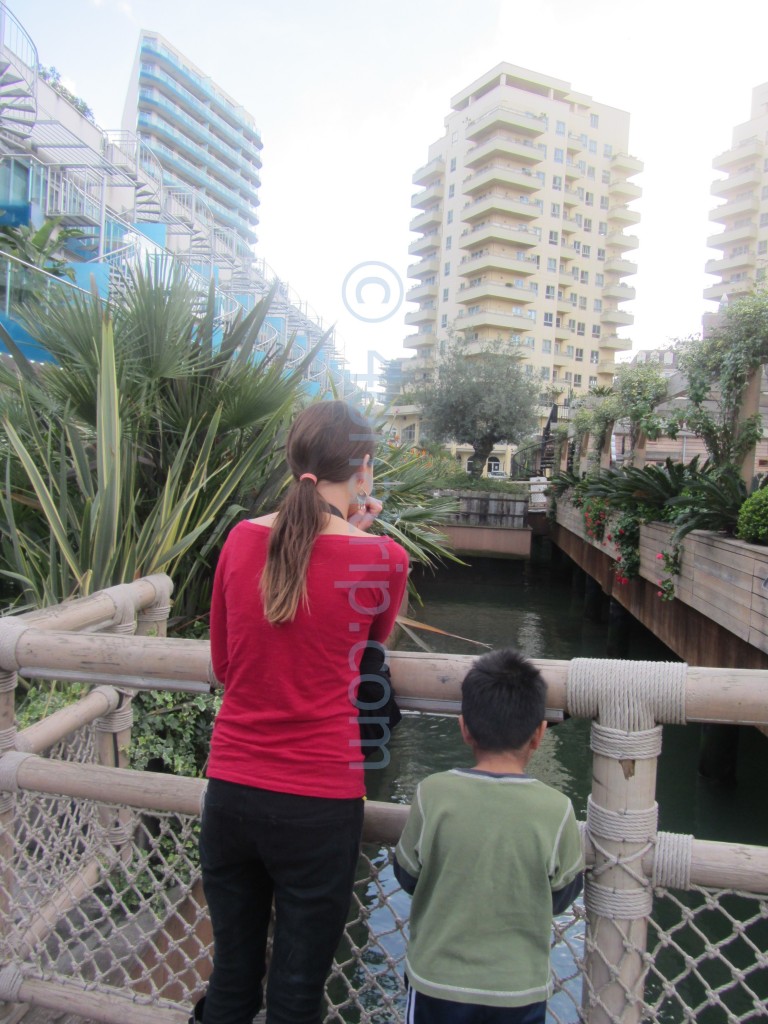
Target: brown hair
[[329, 440]]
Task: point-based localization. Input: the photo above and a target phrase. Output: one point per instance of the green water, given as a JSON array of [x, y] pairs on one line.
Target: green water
[[535, 607]]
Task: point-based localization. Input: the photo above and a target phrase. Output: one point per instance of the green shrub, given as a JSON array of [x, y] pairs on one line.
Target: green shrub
[[753, 518]]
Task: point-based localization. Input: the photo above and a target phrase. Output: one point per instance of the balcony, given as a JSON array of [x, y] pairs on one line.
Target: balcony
[[616, 316], [421, 291], [425, 315], [573, 171], [520, 178], [607, 366], [563, 333], [424, 341], [629, 165], [575, 143], [746, 233], [623, 268], [494, 231], [732, 289], [719, 267], [622, 242], [568, 225], [431, 218], [741, 206], [502, 203], [502, 145], [625, 188], [424, 267], [430, 172], [428, 196], [506, 117], [738, 154], [623, 215], [619, 292], [508, 292], [477, 263], [494, 318], [426, 244], [743, 180], [613, 341]]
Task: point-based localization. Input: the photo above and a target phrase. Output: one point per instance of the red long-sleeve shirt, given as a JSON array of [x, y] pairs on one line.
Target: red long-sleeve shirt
[[287, 722]]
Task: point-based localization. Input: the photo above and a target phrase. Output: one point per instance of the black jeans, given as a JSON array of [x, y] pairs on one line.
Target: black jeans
[[421, 1009], [256, 844]]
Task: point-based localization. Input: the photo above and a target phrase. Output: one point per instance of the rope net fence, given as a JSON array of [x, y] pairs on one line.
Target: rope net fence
[[107, 898]]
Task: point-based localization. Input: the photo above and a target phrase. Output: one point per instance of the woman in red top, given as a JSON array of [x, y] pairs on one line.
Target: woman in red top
[[296, 596]]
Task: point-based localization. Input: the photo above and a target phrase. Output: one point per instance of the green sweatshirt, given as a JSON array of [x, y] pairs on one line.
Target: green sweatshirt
[[487, 852]]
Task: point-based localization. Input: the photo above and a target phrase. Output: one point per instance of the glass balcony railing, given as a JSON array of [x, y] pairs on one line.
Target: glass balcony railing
[[207, 120], [203, 85], [241, 191]]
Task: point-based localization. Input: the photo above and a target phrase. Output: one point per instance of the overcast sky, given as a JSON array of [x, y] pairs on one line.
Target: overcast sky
[[348, 95]]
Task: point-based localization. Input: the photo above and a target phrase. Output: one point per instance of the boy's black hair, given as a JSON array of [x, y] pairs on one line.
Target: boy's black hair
[[503, 700]]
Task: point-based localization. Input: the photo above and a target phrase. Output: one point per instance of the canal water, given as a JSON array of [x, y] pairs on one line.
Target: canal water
[[538, 607]]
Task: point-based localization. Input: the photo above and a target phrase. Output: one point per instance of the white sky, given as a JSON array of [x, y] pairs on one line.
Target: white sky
[[348, 94]]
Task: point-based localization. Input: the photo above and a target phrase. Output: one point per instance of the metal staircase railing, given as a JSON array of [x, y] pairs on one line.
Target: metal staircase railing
[[18, 78]]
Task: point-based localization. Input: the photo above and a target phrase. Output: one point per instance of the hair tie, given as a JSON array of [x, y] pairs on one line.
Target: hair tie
[[308, 476]]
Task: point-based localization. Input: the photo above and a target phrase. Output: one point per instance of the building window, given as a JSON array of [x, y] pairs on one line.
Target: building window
[[584, 277], [595, 331], [582, 300], [549, 292], [544, 372], [571, 327], [764, 193], [606, 177], [546, 346], [602, 228], [608, 149], [447, 269], [762, 247], [599, 279], [560, 128], [445, 294], [587, 223], [444, 320], [559, 156], [548, 319], [557, 182], [451, 191], [586, 250], [601, 254], [603, 202], [453, 163], [531, 314], [593, 382], [552, 263], [449, 242], [578, 219], [581, 329], [529, 341], [554, 237], [594, 356], [577, 380], [593, 145], [555, 209], [579, 355], [594, 120], [528, 370], [598, 306], [590, 171], [449, 218], [589, 198], [763, 220], [568, 376]]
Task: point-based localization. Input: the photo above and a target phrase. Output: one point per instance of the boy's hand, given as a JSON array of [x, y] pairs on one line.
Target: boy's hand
[[363, 519]]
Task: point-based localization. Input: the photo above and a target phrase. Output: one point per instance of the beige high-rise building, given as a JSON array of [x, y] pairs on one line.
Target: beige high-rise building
[[524, 206], [743, 241]]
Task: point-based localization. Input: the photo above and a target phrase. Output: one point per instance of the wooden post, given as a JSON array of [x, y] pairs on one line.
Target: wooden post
[[750, 405], [153, 620]]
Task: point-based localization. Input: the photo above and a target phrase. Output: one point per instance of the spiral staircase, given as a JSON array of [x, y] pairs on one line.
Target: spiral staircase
[[18, 80]]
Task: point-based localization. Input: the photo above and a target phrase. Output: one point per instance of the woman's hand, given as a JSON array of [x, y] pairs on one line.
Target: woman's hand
[[363, 519]]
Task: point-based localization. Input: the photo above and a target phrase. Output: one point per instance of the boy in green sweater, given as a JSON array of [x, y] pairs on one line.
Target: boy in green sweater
[[489, 854]]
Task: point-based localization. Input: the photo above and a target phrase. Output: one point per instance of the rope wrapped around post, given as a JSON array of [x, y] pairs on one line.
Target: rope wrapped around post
[[626, 700]]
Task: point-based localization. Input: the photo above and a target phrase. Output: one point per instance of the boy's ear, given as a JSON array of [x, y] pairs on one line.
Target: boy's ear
[[538, 736], [466, 735]]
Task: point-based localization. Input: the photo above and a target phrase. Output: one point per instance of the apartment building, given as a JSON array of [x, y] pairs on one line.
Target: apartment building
[[743, 242], [524, 202], [203, 139]]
